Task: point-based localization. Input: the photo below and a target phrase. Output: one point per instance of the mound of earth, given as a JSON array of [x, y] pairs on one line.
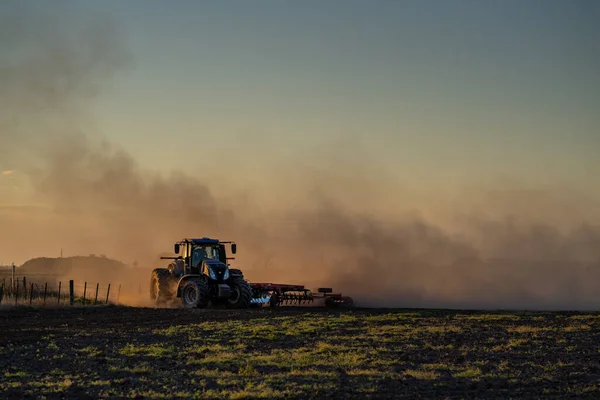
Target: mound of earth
[[91, 269], [64, 266]]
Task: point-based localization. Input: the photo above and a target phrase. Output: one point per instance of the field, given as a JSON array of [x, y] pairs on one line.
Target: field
[[111, 351]]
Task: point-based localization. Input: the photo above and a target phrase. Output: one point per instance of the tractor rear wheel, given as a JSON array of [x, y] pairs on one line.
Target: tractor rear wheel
[[241, 294], [194, 294], [159, 285]]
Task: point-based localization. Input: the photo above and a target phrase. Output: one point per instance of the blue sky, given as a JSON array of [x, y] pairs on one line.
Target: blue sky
[[438, 91]]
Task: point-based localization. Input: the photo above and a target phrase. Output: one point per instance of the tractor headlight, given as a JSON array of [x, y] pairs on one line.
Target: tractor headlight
[[212, 274], [226, 274]]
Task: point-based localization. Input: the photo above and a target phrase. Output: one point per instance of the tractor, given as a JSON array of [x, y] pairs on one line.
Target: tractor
[[200, 275]]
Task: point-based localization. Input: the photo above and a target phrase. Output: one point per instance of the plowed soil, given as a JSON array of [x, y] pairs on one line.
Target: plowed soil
[[121, 352]]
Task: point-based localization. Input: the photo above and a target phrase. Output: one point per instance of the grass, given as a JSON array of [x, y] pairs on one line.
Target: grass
[[133, 353]]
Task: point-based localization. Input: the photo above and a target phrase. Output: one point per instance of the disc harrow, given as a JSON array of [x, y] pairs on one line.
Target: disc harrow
[[277, 295]]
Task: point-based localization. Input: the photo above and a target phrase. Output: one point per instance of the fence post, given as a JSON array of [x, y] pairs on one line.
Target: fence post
[[71, 293], [84, 290], [45, 292], [31, 294], [1, 293], [96, 299], [107, 293], [59, 286], [17, 294], [119, 293]]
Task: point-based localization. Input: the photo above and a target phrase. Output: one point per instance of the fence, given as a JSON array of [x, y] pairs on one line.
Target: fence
[[20, 291]]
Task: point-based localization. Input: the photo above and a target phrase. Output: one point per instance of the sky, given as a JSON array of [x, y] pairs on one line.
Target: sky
[[467, 108], [441, 92], [438, 90]]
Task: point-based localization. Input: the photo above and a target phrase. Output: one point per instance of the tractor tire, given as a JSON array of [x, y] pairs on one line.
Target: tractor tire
[[241, 295], [194, 294], [159, 285]]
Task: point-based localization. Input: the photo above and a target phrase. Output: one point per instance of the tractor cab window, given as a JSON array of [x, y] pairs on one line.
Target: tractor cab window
[[204, 252]]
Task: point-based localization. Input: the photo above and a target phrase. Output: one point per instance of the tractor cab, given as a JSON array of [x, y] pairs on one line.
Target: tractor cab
[[203, 256]]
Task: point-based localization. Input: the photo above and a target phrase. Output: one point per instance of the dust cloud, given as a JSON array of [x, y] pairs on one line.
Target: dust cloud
[[85, 193]]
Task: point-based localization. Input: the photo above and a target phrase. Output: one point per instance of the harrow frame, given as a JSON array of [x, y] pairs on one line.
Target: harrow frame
[[278, 294]]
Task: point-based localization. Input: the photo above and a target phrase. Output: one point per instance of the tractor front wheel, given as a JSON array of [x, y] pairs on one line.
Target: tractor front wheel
[[194, 294], [241, 294]]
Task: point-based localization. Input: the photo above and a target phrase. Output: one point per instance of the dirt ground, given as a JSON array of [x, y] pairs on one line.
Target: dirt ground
[[122, 352]]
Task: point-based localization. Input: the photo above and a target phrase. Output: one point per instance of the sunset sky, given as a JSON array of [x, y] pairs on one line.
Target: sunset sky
[[430, 97], [436, 91]]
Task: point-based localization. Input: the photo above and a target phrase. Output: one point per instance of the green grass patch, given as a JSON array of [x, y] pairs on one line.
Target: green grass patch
[[283, 354]]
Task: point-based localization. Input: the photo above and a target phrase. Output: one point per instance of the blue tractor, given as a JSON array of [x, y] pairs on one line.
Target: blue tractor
[[200, 275]]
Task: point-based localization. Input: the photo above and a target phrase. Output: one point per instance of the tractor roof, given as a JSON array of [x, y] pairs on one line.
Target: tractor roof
[[203, 240]]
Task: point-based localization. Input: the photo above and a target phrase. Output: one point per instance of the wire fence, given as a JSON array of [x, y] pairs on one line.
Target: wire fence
[[25, 291]]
